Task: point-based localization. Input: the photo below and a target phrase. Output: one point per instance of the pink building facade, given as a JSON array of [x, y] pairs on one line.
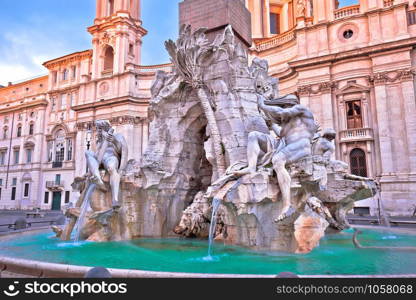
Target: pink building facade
[[354, 67]]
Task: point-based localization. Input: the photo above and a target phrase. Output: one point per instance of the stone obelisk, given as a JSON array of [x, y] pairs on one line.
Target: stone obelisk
[[216, 15]]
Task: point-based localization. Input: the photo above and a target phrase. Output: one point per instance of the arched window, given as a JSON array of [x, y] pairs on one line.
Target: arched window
[[358, 162], [60, 146], [65, 74], [110, 7], [108, 59], [69, 149], [31, 129], [19, 130], [5, 132]]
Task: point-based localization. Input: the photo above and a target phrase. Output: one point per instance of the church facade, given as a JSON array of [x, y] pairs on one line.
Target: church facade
[[352, 65]]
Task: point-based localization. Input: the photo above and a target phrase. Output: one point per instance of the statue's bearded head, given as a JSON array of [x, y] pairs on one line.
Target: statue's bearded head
[[102, 126]]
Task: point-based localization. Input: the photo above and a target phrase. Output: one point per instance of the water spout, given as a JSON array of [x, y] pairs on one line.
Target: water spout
[[83, 212], [382, 216], [215, 205]]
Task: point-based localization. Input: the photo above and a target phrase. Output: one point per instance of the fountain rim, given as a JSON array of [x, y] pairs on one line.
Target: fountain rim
[[37, 269]]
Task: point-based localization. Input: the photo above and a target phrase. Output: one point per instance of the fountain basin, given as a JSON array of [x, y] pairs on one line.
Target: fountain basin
[[39, 254]]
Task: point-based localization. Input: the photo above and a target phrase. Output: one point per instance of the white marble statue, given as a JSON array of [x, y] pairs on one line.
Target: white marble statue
[[295, 126], [112, 155]]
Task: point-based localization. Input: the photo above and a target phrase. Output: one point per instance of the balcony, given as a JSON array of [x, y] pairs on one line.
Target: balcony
[[359, 134], [346, 11], [275, 41], [55, 186], [57, 164]]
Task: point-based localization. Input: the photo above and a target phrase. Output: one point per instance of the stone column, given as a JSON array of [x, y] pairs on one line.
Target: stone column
[[365, 111], [385, 136], [400, 16], [145, 134], [285, 17], [319, 12], [266, 18], [409, 112], [96, 59], [375, 28], [327, 113]]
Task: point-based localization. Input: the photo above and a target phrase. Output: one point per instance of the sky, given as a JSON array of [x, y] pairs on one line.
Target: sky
[[35, 31]]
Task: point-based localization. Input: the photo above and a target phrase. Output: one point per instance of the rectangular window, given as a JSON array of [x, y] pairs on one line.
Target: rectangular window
[[58, 178], [1, 182], [14, 181], [13, 193], [26, 194], [19, 131], [69, 149], [354, 114], [46, 199], [31, 129], [0, 193], [63, 101], [16, 154], [71, 99], [49, 152], [29, 155], [74, 72], [274, 23], [55, 77], [2, 158], [67, 194], [53, 102]]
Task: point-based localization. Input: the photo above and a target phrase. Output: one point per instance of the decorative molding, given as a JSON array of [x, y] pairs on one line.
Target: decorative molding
[[68, 59], [318, 88], [115, 121], [386, 77]]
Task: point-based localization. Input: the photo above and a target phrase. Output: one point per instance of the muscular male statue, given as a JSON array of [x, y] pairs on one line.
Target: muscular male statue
[[112, 155], [296, 130]]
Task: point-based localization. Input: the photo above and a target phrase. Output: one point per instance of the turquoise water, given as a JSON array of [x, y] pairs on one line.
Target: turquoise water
[[335, 255]]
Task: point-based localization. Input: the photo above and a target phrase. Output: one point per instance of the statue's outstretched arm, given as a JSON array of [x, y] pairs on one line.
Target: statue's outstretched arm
[[278, 111]]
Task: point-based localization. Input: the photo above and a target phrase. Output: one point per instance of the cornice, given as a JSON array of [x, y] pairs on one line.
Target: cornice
[[110, 102], [365, 51], [31, 104], [120, 120], [67, 59]]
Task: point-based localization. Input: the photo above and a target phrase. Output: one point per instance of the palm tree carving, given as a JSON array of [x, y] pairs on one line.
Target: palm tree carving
[[190, 54]]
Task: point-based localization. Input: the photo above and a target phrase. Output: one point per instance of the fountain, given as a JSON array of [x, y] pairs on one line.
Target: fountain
[[224, 162], [229, 148]]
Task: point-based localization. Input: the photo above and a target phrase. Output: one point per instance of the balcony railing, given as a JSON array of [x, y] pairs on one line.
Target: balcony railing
[[276, 41], [57, 164], [347, 11], [356, 134], [154, 68], [55, 186], [388, 3]]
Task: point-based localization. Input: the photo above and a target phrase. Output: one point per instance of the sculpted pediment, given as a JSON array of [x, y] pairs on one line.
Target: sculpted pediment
[[352, 88]]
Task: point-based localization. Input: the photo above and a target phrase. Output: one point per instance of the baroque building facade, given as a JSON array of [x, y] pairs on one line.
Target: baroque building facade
[[352, 65]]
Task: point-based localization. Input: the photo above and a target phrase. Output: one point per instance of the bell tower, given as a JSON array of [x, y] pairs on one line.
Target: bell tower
[[117, 37]]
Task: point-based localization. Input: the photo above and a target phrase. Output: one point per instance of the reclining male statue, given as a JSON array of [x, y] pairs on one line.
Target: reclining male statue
[[295, 127]]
